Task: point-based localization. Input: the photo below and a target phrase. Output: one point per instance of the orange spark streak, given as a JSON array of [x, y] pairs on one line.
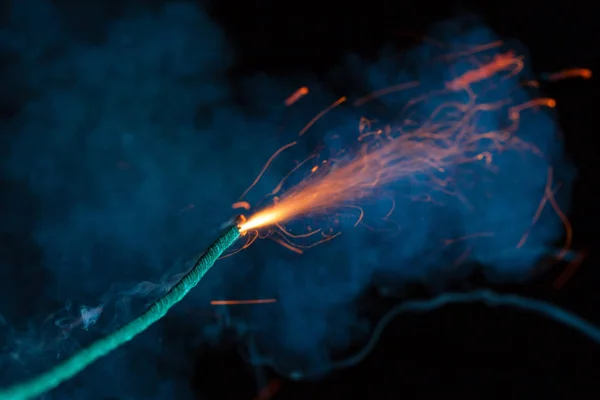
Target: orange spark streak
[[387, 161], [472, 50], [420, 149], [321, 114], [385, 91], [569, 73], [287, 146], [241, 204], [516, 110], [297, 95], [499, 63], [287, 245], [236, 302]]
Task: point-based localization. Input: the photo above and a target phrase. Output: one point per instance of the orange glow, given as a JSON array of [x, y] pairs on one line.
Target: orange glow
[[373, 167], [385, 91], [241, 204], [417, 146], [297, 95], [400, 152], [583, 73], [237, 302], [501, 62]]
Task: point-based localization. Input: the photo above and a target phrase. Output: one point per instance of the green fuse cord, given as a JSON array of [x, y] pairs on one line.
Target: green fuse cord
[[72, 366]]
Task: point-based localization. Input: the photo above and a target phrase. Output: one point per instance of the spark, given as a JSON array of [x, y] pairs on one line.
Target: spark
[[321, 114], [500, 62], [471, 50], [237, 302], [281, 149], [583, 73], [241, 204], [385, 92], [420, 150], [297, 95], [443, 140]]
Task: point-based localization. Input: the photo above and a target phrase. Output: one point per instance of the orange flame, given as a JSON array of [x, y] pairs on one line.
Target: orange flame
[[443, 140], [419, 146]]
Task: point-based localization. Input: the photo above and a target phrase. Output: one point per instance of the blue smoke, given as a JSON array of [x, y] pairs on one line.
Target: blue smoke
[[116, 138]]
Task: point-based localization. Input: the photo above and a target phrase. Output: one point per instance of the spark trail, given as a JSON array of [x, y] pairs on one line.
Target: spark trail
[[470, 137], [448, 137]]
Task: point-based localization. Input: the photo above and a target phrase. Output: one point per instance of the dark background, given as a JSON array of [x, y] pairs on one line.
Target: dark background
[[457, 350]]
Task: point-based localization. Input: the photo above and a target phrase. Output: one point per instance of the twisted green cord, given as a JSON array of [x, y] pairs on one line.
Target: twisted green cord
[[72, 366]]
